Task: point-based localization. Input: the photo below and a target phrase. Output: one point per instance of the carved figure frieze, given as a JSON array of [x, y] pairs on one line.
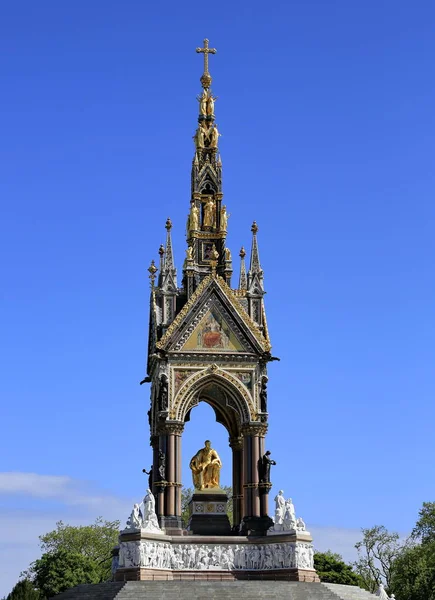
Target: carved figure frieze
[[163, 555]]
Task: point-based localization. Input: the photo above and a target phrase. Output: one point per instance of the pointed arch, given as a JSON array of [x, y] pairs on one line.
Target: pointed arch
[[230, 399]]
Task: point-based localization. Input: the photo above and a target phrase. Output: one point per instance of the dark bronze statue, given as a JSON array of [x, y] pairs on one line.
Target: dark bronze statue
[[150, 476], [163, 393], [162, 465], [264, 465], [263, 394]]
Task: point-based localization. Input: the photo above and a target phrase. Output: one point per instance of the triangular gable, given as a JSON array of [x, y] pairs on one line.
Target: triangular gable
[[214, 293], [213, 333]]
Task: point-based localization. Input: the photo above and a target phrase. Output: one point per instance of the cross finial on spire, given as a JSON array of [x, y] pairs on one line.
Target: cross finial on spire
[[206, 77]]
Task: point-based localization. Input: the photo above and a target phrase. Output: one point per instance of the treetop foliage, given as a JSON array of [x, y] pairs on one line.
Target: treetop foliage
[[24, 590], [424, 529], [57, 571], [331, 568]]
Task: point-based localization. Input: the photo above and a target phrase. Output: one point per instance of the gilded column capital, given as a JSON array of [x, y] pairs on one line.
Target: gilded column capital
[[236, 443], [171, 427], [258, 429]]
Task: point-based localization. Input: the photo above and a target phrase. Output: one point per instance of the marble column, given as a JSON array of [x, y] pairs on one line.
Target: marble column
[[247, 499], [178, 474], [236, 444], [264, 497], [253, 434], [170, 494], [255, 442]]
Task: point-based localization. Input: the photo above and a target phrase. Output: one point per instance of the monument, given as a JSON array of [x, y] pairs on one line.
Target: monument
[[209, 342]]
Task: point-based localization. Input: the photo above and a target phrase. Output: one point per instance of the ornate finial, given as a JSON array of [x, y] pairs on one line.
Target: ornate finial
[[242, 252], [152, 269], [161, 250], [168, 224], [254, 227], [206, 77]]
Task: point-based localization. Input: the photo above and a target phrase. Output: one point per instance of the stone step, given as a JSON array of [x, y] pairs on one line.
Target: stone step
[[349, 592], [215, 590]]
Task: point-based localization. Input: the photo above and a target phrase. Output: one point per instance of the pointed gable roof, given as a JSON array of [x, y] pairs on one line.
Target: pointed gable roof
[[229, 304]]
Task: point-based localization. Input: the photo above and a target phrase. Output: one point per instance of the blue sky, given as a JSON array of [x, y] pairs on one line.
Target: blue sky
[[328, 129]]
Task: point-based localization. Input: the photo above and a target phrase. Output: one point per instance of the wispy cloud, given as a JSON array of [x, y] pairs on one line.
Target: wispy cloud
[[337, 539], [39, 486], [57, 487], [76, 503]]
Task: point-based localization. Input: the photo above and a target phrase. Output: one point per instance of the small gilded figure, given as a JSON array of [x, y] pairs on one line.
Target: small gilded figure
[[214, 136], [210, 104], [193, 219], [224, 218], [208, 220], [203, 103], [199, 137]]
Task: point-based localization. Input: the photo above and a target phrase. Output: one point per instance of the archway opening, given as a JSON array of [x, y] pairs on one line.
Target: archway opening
[[201, 425]]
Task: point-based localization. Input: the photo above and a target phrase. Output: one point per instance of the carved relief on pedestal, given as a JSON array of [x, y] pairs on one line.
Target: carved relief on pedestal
[[162, 555]]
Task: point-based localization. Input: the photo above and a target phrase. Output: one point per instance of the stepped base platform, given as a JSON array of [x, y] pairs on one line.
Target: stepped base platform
[[215, 590]]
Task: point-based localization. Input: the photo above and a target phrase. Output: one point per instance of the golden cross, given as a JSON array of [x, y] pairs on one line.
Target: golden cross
[[206, 51]]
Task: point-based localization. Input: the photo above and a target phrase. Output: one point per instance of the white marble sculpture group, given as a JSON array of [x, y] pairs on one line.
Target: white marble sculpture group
[[382, 594], [161, 555], [147, 520], [285, 516]]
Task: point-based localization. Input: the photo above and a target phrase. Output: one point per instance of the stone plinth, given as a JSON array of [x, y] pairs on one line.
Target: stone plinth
[[208, 513], [149, 557]]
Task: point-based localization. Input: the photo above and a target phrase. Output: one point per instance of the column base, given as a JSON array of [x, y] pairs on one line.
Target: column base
[[171, 525]]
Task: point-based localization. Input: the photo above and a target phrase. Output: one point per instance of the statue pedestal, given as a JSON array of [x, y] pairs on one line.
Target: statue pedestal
[[147, 556], [208, 513]]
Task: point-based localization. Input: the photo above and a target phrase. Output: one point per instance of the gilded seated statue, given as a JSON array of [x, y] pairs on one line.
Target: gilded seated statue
[[206, 466]]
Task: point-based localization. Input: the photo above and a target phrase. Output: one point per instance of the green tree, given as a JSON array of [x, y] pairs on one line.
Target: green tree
[[57, 571], [424, 529], [413, 573], [331, 568], [186, 495], [377, 552], [24, 590], [94, 542]]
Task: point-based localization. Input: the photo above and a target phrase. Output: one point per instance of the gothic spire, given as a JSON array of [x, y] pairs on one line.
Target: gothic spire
[[243, 282], [162, 264], [208, 216], [169, 258], [255, 273], [169, 272]]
